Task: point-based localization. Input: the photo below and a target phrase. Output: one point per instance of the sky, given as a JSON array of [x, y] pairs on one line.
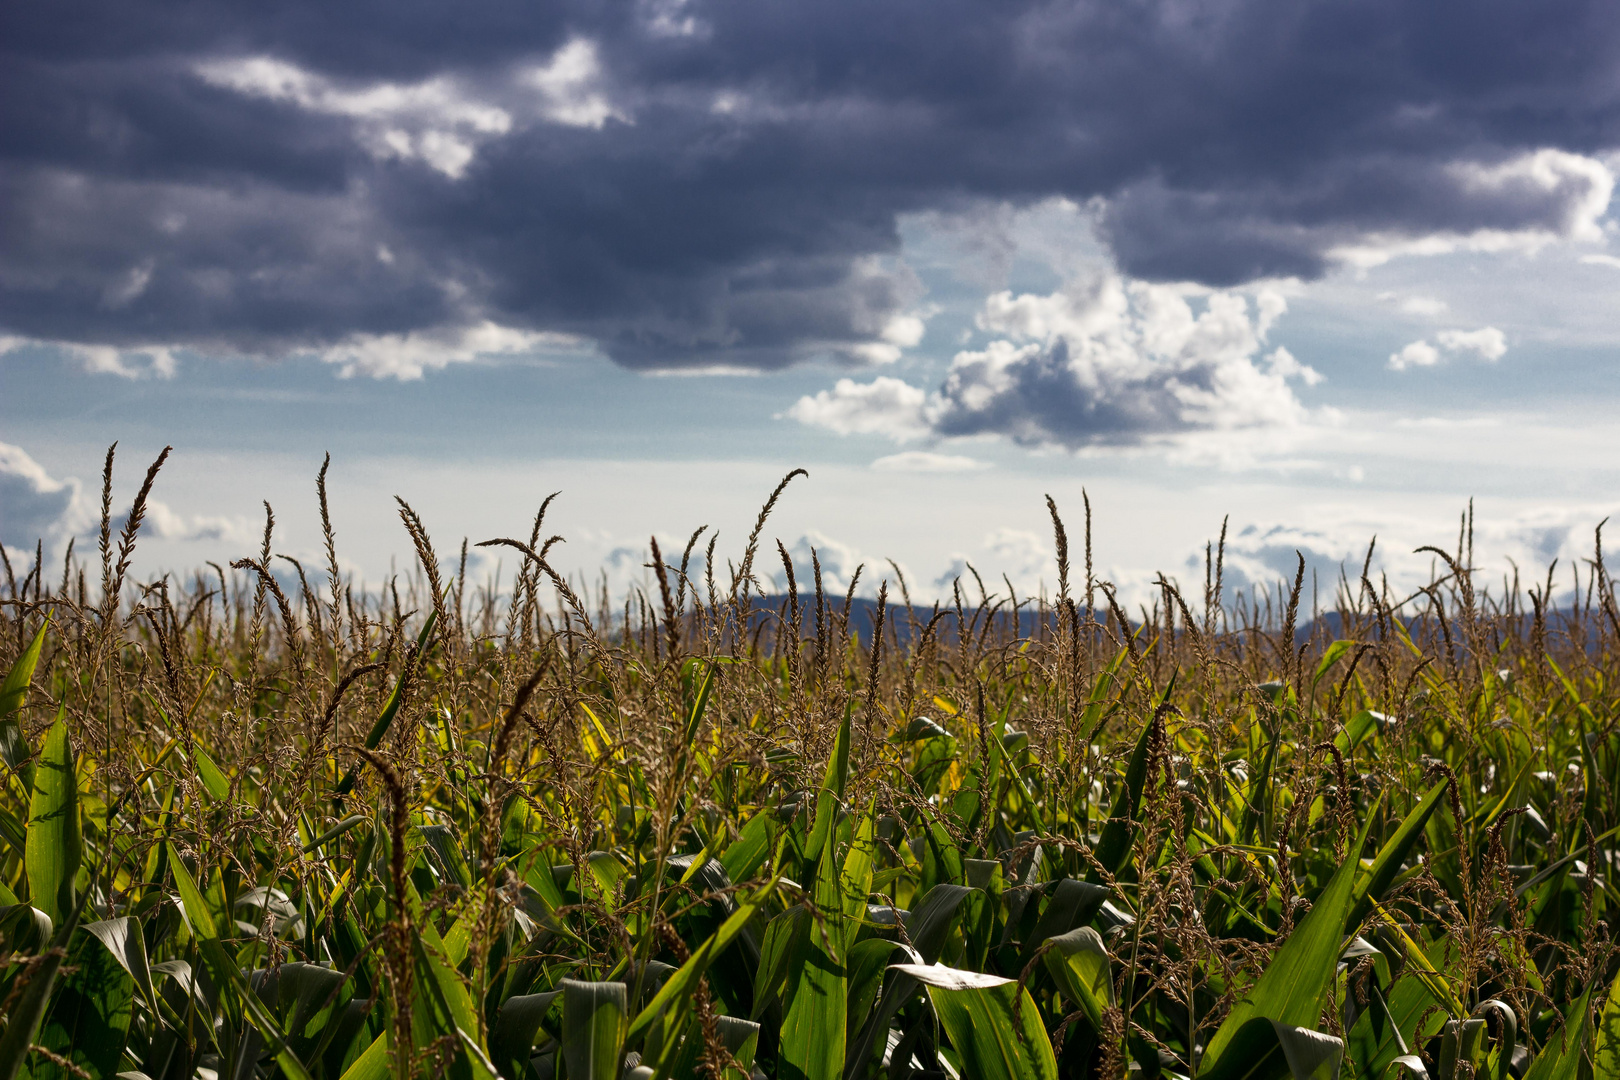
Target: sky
[[1323, 272]]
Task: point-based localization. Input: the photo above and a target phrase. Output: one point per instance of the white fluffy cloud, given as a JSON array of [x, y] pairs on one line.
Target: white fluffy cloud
[[571, 87], [141, 362], [33, 504], [1416, 354], [1104, 360], [435, 121], [1023, 557], [440, 122], [838, 562], [407, 356], [1487, 343], [164, 523], [884, 406]]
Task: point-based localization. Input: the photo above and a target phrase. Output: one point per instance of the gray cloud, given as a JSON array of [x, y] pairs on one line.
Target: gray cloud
[[33, 504], [716, 182]]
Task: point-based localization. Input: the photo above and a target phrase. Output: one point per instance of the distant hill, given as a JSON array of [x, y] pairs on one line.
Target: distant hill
[[907, 623]]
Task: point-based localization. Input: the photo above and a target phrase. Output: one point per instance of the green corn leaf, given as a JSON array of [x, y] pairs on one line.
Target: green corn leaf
[[1423, 968], [1290, 990], [24, 929], [855, 880], [745, 855], [992, 1023], [741, 1039], [928, 927], [684, 981], [442, 1003], [373, 1063], [1460, 1041], [482, 1067], [257, 1013], [334, 832], [15, 834], [787, 934], [1114, 847], [302, 992], [868, 960], [813, 1033], [127, 945], [930, 922], [214, 780], [831, 793], [1096, 702], [1330, 656], [25, 1017], [1072, 904], [1560, 1059], [89, 1019], [441, 841], [54, 846], [1509, 1025], [694, 718], [1079, 965], [512, 1035], [1356, 730], [1263, 1049], [1256, 806], [946, 857], [192, 903], [1310, 1055], [13, 693], [593, 1028], [386, 718], [242, 999], [1387, 864], [1606, 1051], [1377, 1041]]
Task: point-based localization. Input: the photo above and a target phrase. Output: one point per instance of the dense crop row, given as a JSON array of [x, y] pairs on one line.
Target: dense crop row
[[256, 830]]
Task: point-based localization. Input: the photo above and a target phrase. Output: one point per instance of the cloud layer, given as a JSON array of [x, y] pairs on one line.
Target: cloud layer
[[715, 182], [1103, 361]]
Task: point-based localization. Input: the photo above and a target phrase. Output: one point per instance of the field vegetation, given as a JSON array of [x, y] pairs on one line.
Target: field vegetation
[[262, 823]]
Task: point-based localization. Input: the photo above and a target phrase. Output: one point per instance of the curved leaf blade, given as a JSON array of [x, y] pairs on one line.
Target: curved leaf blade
[[55, 845]]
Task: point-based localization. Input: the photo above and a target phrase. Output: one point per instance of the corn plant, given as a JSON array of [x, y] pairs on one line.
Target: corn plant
[[260, 826]]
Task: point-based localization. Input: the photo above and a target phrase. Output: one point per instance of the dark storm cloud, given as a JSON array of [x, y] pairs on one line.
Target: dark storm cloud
[[718, 183]]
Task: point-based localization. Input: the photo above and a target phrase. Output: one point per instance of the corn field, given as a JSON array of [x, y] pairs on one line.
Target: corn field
[[264, 823]]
